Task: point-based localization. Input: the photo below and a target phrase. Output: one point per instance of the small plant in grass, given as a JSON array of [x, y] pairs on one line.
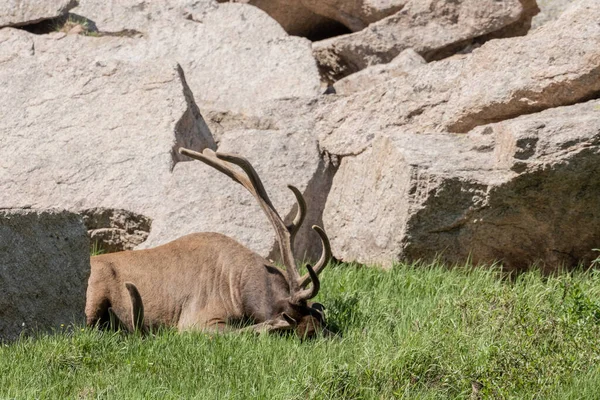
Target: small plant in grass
[[595, 262], [96, 249]]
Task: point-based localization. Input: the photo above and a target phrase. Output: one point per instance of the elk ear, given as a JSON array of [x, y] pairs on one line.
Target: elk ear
[[289, 319]]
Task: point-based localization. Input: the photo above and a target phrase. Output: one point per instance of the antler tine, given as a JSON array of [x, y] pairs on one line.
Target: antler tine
[[295, 225], [323, 260], [284, 235], [209, 157], [307, 294], [245, 165]]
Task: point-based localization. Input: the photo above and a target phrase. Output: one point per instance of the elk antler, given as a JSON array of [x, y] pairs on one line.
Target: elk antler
[[285, 234], [323, 260]]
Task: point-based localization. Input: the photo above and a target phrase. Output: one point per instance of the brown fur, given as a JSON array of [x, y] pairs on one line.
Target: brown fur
[[200, 281]]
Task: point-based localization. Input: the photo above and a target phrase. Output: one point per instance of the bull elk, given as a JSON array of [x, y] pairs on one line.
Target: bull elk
[[208, 281]]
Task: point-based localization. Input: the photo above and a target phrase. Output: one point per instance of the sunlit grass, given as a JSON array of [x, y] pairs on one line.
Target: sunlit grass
[[421, 332]]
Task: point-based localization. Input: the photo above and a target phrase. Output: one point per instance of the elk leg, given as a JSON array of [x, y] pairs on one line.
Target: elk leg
[[267, 326]]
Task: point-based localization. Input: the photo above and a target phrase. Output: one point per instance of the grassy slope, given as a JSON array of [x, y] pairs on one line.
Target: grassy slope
[[419, 333]]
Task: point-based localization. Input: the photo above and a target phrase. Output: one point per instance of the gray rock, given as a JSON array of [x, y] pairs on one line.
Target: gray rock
[[24, 12], [44, 266], [554, 65], [406, 61], [85, 130], [520, 191], [433, 28], [549, 11], [233, 54]]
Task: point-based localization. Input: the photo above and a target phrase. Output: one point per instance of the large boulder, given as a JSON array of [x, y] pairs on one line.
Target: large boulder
[[82, 129], [125, 16], [557, 64], [24, 12], [433, 28], [44, 267], [233, 54], [519, 191], [413, 102]]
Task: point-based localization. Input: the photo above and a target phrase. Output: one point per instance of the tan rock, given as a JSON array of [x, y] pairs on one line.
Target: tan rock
[[433, 28], [549, 11], [233, 54], [138, 15], [553, 66], [519, 191], [321, 18], [24, 12], [85, 130], [405, 62], [293, 16]]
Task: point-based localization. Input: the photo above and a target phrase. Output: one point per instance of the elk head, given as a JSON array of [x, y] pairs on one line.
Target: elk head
[[294, 311]]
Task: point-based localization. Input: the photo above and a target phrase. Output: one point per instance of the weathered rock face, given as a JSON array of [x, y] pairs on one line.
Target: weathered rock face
[[433, 28], [369, 77], [138, 15], [414, 102], [23, 12], [233, 54], [65, 146], [518, 191], [554, 65], [549, 11], [112, 230], [44, 266], [237, 55]]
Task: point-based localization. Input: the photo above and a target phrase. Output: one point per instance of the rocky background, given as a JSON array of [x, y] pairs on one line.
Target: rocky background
[[463, 130]]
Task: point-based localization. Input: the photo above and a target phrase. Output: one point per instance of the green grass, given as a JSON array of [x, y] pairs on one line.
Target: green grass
[[413, 332]]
